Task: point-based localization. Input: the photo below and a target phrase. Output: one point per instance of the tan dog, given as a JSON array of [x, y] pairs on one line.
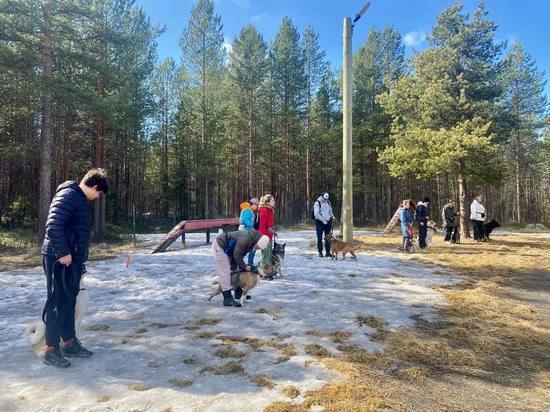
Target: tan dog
[[337, 246], [246, 280]]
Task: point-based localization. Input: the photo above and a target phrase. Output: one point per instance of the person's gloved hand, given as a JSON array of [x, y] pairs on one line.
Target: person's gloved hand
[[422, 223], [324, 222], [483, 215]]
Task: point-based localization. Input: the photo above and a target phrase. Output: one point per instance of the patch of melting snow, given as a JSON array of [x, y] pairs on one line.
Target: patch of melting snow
[[141, 325]]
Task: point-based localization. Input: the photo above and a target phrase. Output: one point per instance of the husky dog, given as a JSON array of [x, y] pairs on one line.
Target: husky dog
[[277, 259], [432, 229], [36, 331]]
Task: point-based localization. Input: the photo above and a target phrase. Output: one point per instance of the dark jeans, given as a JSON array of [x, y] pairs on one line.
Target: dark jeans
[[60, 305], [479, 230], [321, 228], [422, 232], [451, 233]]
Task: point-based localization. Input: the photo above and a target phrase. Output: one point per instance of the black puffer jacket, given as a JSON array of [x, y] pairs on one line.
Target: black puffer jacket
[[68, 225], [243, 242]]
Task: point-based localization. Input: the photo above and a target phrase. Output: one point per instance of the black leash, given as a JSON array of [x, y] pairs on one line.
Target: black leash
[[53, 297]]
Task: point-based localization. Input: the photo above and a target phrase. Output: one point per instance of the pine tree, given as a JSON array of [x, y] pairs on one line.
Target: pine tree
[[247, 73], [524, 106], [442, 113], [315, 68], [290, 85], [204, 57]]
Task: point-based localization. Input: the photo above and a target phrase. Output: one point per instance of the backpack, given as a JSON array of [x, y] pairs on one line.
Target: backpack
[[313, 210]]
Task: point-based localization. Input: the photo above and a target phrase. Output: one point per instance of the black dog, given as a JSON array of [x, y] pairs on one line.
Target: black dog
[[488, 228]]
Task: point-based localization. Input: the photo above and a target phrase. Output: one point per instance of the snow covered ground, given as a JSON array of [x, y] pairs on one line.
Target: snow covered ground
[[140, 327]]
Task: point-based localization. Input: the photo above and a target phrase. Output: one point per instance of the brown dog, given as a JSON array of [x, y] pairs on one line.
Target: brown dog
[[246, 280], [337, 246]]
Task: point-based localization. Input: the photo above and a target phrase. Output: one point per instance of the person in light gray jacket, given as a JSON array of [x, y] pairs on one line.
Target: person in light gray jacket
[[322, 213], [477, 217]]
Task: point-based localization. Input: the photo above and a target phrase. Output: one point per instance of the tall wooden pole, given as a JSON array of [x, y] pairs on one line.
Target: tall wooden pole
[[347, 157]]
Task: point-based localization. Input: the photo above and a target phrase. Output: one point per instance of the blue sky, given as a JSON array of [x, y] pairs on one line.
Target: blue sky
[[527, 21]]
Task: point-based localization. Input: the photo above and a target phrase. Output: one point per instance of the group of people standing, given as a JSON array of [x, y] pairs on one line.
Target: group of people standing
[[449, 216]]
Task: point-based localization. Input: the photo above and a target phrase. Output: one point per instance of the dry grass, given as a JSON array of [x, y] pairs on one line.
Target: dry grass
[[316, 350], [339, 336], [314, 333], [207, 335], [291, 392], [98, 327], [225, 369], [197, 324], [229, 352], [104, 398], [140, 387], [485, 333], [180, 383], [263, 381]]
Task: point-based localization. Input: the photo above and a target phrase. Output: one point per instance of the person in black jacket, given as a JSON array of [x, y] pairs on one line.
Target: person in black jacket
[[422, 216], [450, 222], [64, 251]]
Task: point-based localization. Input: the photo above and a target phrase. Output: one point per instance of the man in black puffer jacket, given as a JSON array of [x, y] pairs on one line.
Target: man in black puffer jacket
[[422, 215], [64, 251]]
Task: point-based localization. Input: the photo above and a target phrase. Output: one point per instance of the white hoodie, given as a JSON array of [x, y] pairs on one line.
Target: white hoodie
[[322, 210], [477, 211]]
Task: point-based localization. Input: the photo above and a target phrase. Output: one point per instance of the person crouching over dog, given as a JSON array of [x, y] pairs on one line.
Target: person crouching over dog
[[64, 251], [229, 251]]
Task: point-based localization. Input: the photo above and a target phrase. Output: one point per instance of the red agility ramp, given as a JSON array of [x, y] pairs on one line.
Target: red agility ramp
[[192, 226]]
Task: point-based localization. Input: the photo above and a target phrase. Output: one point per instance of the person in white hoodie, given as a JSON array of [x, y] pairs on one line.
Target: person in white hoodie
[[477, 217], [322, 213]]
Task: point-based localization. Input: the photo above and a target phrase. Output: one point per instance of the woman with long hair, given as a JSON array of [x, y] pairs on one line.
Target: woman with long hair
[[266, 213]]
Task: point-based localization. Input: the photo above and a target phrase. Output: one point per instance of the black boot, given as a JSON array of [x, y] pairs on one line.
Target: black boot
[[406, 244], [55, 358], [228, 299], [76, 350], [238, 293], [321, 254]]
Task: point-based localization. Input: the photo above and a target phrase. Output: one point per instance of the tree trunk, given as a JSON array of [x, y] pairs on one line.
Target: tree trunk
[[464, 227], [99, 161], [517, 156], [46, 135]]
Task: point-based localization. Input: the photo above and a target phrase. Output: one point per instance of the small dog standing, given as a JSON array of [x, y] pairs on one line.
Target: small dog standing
[[337, 246]]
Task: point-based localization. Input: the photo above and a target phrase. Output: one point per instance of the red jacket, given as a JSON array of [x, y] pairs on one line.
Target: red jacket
[[267, 221]]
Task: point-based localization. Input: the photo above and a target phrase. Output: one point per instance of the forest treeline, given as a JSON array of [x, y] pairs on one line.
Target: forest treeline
[[81, 85]]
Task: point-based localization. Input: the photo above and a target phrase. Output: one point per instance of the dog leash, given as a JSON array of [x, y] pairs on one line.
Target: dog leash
[[52, 295]]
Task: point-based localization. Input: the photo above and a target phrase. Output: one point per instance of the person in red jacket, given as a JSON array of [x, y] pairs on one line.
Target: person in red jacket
[[266, 213]]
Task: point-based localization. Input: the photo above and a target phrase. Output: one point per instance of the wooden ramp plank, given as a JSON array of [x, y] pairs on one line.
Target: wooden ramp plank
[[392, 222]]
